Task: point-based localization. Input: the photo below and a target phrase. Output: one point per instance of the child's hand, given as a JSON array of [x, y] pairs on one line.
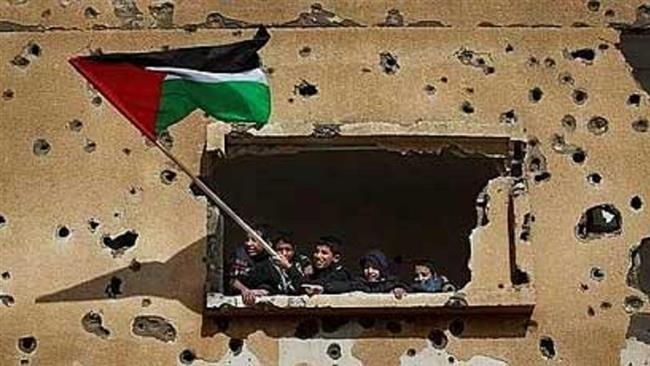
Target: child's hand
[[249, 296], [308, 270], [399, 292], [312, 290], [282, 262]]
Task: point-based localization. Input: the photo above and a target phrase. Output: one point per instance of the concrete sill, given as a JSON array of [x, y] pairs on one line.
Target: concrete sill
[[504, 301]]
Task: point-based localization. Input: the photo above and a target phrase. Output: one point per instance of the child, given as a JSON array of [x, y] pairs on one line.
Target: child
[[375, 277], [253, 273], [295, 266], [329, 276], [427, 279]]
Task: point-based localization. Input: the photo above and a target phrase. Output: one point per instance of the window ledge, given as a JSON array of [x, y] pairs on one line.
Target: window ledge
[[513, 301]]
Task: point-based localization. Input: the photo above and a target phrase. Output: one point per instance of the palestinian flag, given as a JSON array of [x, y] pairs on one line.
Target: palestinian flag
[[154, 90]]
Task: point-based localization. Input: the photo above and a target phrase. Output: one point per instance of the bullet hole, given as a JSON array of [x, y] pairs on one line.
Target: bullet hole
[[307, 329], [597, 274], [430, 90], [90, 13], [126, 151], [366, 69], [154, 327], [393, 19], [7, 300], [594, 178], [46, 13], [509, 48], [168, 176], [633, 304], [187, 357], [636, 203], [75, 125], [634, 100], [610, 13], [62, 232], [438, 339], [579, 96], [128, 14], [7, 94], [236, 345], [549, 62], [603, 46], [569, 123], [305, 89], [3, 221], [532, 61], [467, 107], [591, 311], [457, 327], [269, 70], [508, 117], [320, 17], [388, 63], [113, 288], [145, 302], [24, 361], [20, 61], [541, 177], [92, 323], [166, 140], [457, 301], [33, 49], [586, 55], [120, 243], [90, 146], [305, 51], [394, 327], [163, 15], [475, 59], [526, 226], [93, 225], [598, 221], [598, 125], [593, 5], [334, 351], [27, 344], [41, 147], [135, 266], [290, 100], [584, 287], [535, 95], [444, 79], [469, 90], [640, 125], [6, 275], [520, 277], [489, 70], [547, 347], [411, 352], [96, 101], [579, 156]]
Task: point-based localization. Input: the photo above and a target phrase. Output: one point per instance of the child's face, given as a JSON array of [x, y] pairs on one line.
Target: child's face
[[285, 249], [422, 273], [324, 257], [252, 246], [371, 273]]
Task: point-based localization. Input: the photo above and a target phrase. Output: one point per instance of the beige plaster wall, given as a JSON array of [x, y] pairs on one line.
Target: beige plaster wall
[[71, 185]]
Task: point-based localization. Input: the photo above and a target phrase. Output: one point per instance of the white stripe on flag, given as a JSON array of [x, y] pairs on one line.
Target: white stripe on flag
[[173, 73]]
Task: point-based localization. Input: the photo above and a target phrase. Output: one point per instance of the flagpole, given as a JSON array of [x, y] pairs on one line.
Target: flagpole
[[217, 200]]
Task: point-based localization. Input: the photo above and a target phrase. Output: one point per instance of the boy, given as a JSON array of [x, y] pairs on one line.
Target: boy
[[253, 272], [295, 266], [427, 279], [329, 276], [375, 276]]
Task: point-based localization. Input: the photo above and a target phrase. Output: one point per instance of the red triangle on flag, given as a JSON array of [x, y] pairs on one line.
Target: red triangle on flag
[[133, 90]]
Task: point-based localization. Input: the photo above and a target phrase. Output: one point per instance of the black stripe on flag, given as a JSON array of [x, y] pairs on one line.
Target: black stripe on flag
[[235, 57]]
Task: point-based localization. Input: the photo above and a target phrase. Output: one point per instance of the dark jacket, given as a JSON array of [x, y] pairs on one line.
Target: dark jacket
[[335, 279], [433, 284], [387, 282], [265, 275]]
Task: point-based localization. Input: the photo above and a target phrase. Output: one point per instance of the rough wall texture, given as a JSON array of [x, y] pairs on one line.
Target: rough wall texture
[[74, 172]]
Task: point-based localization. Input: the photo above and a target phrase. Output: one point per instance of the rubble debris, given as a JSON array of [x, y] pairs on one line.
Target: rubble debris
[[155, 327], [634, 100], [128, 14], [305, 89], [508, 117], [121, 242], [319, 17], [547, 347], [218, 20], [334, 351], [599, 221], [535, 94], [438, 339], [475, 59], [598, 125], [393, 19], [388, 63], [113, 288], [569, 123], [168, 176], [636, 203], [41, 147], [163, 15], [640, 125], [92, 323], [632, 304], [597, 274], [579, 96], [236, 345], [186, 357], [27, 344]]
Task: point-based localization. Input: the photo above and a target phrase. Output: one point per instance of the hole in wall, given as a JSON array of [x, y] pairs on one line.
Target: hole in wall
[[467, 107], [75, 125], [438, 339], [430, 90], [569, 123], [535, 94], [6, 275], [591, 311], [509, 48], [508, 117], [547, 347], [168, 176], [62, 232], [27, 344], [632, 304], [186, 357], [7, 300], [41, 147], [594, 179], [388, 63], [565, 78], [304, 51], [636, 203], [593, 5], [586, 55], [457, 327], [153, 326], [305, 89], [634, 100], [579, 156], [334, 351], [8, 94], [411, 352], [549, 62], [599, 221], [598, 125], [640, 125], [3, 221], [114, 287], [597, 274], [579, 96], [121, 242], [236, 345], [90, 146], [91, 13], [92, 323]]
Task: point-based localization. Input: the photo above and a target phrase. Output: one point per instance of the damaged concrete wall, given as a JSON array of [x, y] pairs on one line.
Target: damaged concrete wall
[[102, 241]]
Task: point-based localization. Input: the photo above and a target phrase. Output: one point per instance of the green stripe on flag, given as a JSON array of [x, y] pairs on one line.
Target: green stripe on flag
[[231, 101]]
